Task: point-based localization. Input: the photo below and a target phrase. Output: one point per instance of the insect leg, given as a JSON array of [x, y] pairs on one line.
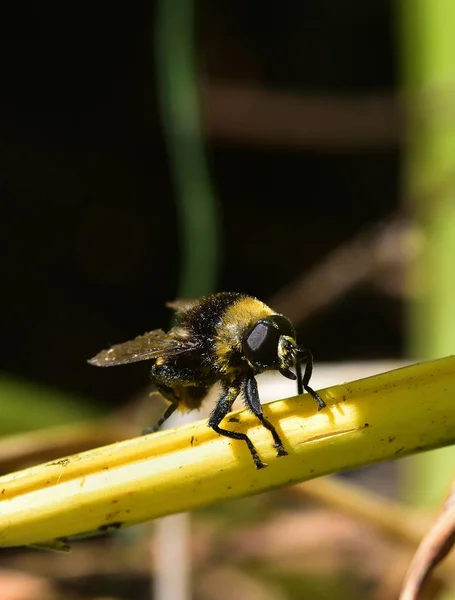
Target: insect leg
[[164, 376], [303, 381], [253, 403], [223, 406], [164, 417]]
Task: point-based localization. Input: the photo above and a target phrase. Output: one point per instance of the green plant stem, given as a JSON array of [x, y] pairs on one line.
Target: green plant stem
[[180, 110], [428, 51]]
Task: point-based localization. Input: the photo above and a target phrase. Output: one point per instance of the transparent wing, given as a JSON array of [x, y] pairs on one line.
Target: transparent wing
[[182, 303], [144, 347]]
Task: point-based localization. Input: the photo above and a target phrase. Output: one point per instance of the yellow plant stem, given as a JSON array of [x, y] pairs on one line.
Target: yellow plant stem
[[18, 450], [379, 418]]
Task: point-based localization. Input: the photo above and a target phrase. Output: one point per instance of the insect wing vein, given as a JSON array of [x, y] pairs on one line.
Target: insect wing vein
[[144, 347]]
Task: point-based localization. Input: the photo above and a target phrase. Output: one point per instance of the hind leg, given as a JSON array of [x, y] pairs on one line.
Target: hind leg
[[178, 386], [164, 417]]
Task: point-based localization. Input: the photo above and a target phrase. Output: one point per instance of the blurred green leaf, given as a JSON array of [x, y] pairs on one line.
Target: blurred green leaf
[[28, 406]]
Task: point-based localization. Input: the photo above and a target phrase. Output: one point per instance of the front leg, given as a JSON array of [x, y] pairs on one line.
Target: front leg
[[305, 355], [252, 401], [223, 406]]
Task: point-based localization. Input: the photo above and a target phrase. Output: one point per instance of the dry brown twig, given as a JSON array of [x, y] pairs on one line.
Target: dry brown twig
[[393, 244], [434, 547]]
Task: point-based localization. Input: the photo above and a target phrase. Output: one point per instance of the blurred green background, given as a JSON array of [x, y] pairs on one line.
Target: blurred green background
[[300, 152]]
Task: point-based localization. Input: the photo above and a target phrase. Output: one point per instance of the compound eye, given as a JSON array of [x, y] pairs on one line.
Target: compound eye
[[261, 345]]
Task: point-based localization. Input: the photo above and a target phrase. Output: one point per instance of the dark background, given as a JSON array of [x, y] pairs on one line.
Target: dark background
[[90, 244]]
